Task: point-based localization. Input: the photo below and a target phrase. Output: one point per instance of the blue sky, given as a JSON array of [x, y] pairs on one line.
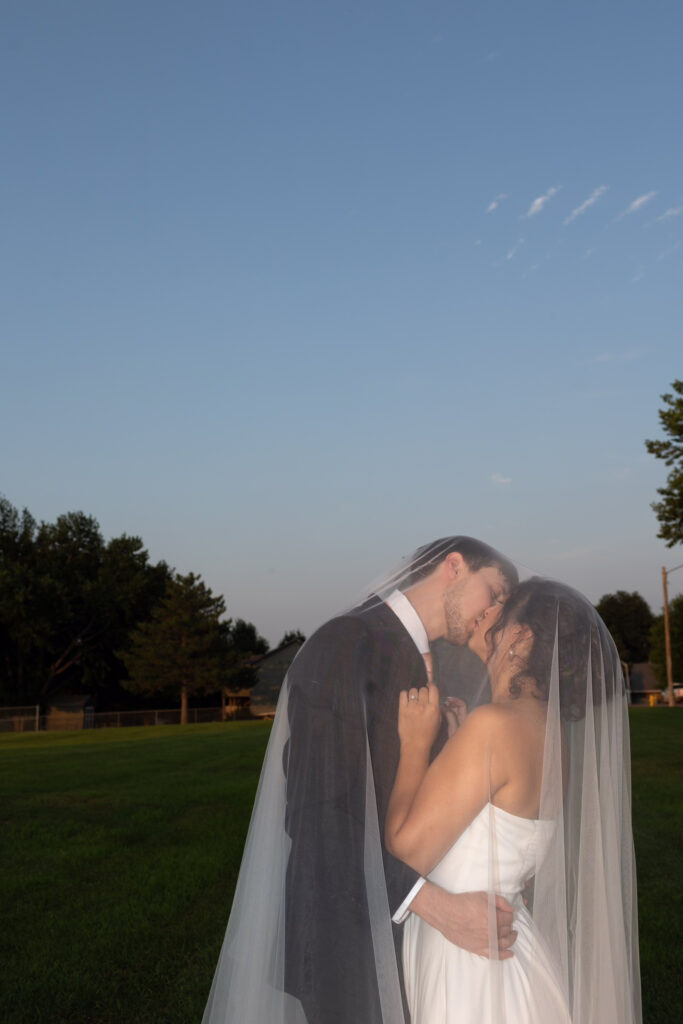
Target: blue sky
[[290, 289]]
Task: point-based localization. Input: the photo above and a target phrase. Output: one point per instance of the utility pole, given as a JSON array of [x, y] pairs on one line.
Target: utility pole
[[667, 632]]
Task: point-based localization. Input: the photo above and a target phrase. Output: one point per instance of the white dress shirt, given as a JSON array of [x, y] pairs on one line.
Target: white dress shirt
[[404, 611]]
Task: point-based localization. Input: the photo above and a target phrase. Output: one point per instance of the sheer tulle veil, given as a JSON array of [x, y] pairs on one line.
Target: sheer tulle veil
[[584, 897]]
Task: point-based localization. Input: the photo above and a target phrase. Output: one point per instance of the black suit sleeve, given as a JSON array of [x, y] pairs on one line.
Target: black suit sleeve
[[329, 957]]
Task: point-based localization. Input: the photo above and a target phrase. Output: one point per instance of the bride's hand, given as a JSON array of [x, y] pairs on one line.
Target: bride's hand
[[419, 716]]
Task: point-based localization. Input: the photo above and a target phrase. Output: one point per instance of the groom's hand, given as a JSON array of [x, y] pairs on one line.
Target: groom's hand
[[463, 918]]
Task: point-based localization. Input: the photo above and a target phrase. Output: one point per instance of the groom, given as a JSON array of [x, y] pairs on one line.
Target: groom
[[343, 699]]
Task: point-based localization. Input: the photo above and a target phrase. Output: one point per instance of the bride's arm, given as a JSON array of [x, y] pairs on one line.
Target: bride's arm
[[431, 805], [419, 718], [463, 918]]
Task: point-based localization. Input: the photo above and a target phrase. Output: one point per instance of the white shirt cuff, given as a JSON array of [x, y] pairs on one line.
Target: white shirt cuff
[[403, 911]]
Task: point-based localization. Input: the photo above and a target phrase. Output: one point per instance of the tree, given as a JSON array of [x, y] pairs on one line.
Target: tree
[[294, 636], [22, 627], [129, 586], [669, 510], [184, 647], [45, 635], [657, 643], [97, 593], [246, 647], [629, 620], [68, 601]]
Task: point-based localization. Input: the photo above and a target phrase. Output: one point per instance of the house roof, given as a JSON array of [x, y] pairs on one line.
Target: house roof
[[278, 650], [70, 702]]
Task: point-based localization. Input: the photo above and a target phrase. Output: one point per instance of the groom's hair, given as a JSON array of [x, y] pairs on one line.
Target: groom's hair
[[475, 553]]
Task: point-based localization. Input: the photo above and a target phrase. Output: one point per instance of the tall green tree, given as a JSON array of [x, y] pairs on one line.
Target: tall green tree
[[23, 623], [97, 593], [128, 587], [658, 646], [246, 639], [68, 601], [629, 619], [669, 510], [184, 647], [246, 646]]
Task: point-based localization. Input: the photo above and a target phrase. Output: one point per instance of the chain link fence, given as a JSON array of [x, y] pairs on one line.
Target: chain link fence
[[20, 719], [29, 719]]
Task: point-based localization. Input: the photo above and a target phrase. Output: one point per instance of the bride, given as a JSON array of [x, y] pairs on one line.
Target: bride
[[533, 785]]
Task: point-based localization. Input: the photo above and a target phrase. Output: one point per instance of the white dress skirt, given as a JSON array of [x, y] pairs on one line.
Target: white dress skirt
[[448, 985]]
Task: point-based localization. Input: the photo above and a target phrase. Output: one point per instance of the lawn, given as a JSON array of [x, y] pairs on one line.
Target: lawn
[[121, 849], [657, 760]]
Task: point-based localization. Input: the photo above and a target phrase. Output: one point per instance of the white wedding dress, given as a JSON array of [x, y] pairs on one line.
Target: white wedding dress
[[448, 985]]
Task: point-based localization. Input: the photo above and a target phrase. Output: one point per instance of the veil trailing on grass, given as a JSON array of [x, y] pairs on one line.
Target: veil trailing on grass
[[310, 938]]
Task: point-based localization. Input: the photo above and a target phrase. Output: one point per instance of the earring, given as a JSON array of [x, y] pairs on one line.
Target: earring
[[511, 652]]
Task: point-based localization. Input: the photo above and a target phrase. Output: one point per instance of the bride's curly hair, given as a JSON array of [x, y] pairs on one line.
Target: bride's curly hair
[[586, 651]]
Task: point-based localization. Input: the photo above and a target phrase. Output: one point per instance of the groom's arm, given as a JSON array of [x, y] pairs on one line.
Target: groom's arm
[[463, 918], [328, 938]]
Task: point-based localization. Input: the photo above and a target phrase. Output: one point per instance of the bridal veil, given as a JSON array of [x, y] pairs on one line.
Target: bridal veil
[[581, 900]]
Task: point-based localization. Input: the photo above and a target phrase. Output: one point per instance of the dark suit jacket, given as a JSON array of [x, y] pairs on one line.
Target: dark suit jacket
[[343, 687]]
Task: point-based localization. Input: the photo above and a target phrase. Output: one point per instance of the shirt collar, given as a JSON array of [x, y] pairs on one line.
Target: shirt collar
[[404, 611]]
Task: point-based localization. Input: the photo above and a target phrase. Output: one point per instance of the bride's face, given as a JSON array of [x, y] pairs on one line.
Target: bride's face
[[481, 641]]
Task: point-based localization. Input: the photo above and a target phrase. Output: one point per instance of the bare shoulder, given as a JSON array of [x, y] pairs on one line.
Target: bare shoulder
[[490, 723], [490, 718]]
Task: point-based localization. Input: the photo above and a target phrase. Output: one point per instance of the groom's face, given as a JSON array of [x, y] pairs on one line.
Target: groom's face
[[472, 596]]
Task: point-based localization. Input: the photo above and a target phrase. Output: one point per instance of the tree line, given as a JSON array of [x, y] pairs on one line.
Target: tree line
[[639, 635], [85, 616], [90, 617]]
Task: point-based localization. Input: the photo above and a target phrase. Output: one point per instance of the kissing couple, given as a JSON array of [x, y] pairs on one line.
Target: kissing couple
[[415, 861]]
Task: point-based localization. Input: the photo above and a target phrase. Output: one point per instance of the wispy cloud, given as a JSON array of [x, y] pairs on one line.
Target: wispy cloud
[[592, 199], [667, 252], [626, 356], [674, 211], [495, 203], [498, 478], [638, 275], [540, 202], [637, 204], [515, 248]]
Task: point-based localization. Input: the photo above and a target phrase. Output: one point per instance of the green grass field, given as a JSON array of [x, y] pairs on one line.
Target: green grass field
[[121, 849]]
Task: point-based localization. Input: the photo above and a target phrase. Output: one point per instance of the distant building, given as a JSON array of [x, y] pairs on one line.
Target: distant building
[[235, 703], [643, 683], [271, 670], [70, 711]]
